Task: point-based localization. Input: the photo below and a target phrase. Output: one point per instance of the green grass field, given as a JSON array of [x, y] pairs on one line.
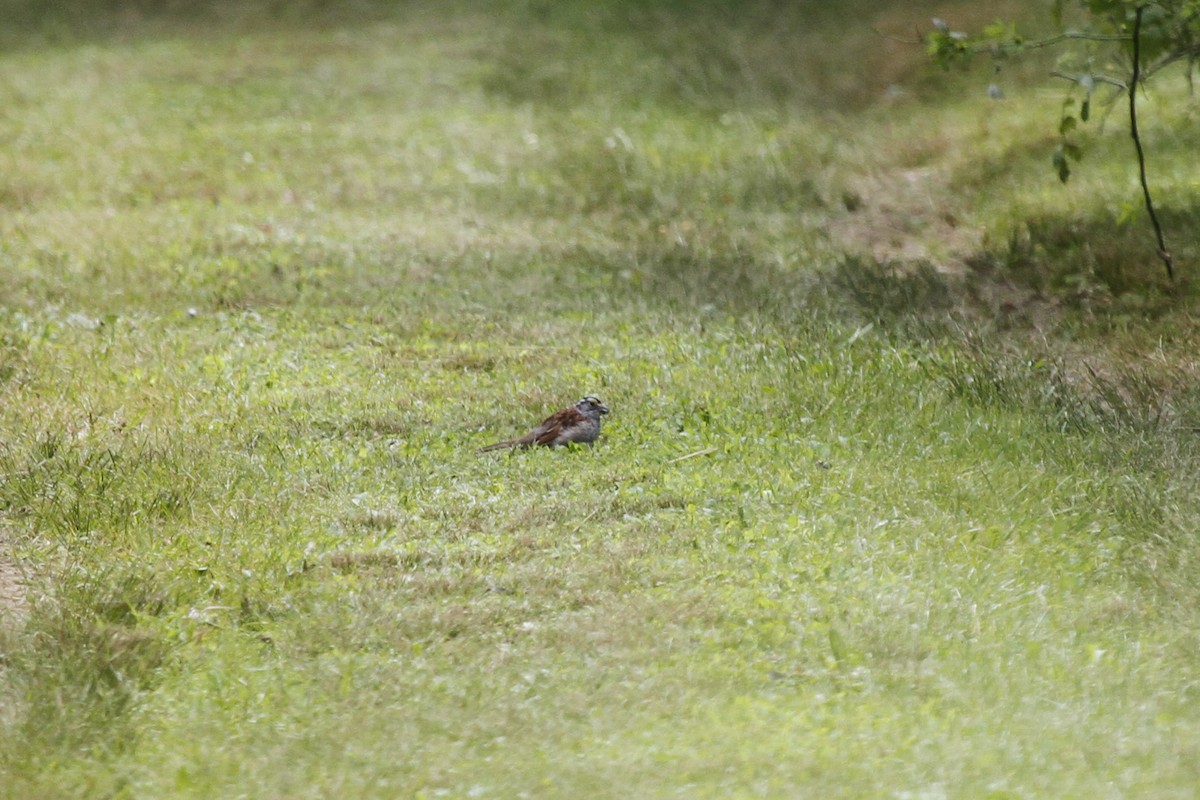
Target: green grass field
[[899, 493]]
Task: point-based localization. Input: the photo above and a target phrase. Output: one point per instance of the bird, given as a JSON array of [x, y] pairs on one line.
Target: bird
[[579, 424]]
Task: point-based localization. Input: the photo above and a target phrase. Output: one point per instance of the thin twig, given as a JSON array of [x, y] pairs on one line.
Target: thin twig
[[1091, 37], [1097, 78], [705, 452], [891, 37], [584, 521], [1163, 253], [1190, 52]]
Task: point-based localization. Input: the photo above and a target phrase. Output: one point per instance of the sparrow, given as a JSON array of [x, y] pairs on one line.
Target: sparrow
[[580, 423]]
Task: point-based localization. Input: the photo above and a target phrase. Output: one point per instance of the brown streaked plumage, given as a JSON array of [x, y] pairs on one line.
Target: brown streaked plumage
[[580, 424]]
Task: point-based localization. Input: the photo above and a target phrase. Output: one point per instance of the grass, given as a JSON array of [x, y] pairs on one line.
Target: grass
[[860, 525]]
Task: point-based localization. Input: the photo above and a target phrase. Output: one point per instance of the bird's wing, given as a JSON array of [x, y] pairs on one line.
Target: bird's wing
[[555, 425]]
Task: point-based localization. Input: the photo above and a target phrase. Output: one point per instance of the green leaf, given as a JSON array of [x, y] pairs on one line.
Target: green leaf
[[1085, 109], [999, 30], [1060, 164], [1067, 125]]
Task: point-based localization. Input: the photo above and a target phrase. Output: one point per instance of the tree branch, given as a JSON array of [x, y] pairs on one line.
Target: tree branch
[[1163, 253], [1191, 53], [1091, 37]]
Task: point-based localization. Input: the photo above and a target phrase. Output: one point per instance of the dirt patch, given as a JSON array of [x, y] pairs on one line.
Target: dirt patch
[[903, 216], [14, 602], [14, 608], [906, 217], [904, 220]]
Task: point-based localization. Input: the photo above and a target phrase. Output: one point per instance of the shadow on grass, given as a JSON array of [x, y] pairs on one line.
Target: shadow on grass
[[1069, 254], [1068, 265], [698, 54], [72, 22], [694, 280], [78, 673], [693, 55]]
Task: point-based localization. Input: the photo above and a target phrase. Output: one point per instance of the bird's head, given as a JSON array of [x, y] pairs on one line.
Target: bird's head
[[590, 404]]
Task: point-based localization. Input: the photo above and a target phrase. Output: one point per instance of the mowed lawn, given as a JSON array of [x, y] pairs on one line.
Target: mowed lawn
[[897, 497]]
